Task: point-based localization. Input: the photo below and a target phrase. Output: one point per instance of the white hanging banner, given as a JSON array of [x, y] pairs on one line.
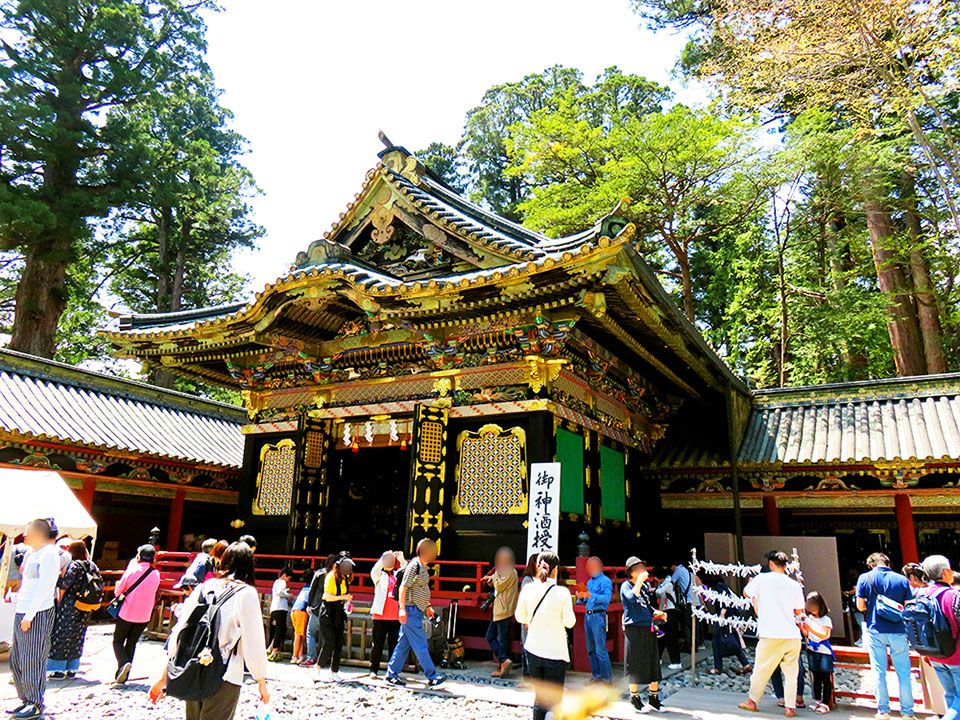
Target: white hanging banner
[[543, 521]]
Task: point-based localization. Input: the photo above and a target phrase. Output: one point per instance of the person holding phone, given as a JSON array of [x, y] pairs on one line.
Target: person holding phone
[[641, 650]]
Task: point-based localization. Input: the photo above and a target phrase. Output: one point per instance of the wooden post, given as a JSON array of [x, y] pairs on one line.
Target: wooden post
[[908, 536], [85, 494], [733, 448], [176, 518], [693, 625], [581, 660], [771, 514]]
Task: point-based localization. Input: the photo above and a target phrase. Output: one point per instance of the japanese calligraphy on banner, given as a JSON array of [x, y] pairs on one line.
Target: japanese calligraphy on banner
[[544, 508]]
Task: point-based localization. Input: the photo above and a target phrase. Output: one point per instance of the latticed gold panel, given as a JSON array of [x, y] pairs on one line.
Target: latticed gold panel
[[431, 442], [278, 465], [313, 453], [492, 472]]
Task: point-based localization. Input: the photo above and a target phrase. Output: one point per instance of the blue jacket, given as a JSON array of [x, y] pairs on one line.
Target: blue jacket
[[601, 591], [637, 609]]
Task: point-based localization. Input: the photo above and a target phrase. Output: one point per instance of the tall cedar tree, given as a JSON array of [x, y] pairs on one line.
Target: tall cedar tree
[[63, 67]]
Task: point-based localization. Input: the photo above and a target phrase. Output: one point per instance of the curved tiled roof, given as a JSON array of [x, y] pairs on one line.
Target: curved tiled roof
[[913, 419], [43, 400], [368, 280], [923, 424]]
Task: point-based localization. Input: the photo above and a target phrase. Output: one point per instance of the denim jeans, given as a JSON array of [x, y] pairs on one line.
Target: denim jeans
[[595, 625], [950, 679], [498, 638], [877, 645], [412, 638], [313, 632]]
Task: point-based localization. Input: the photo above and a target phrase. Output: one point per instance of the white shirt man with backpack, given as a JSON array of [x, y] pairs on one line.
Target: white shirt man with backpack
[[937, 568]]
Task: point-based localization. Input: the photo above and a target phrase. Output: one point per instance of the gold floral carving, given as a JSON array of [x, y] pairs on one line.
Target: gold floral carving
[[542, 372]]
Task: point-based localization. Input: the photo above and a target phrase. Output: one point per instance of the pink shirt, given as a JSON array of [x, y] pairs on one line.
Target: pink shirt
[[138, 605]]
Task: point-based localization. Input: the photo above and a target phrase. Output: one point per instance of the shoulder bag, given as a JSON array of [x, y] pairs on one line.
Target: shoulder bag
[[114, 607]]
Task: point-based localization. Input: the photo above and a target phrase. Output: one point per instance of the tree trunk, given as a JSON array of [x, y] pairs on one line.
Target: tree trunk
[[784, 329], [928, 309], [179, 269], [161, 378], [902, 324], [683, 260], [164, 224], [41, 299]]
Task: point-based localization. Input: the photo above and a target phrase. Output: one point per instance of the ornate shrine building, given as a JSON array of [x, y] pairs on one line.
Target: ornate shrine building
[[402, 376], [137, 456]]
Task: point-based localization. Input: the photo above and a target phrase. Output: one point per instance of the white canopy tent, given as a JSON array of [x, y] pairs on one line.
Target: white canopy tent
[[29, 494]]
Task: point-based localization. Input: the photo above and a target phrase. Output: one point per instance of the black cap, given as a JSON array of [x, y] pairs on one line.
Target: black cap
[[146, 553]]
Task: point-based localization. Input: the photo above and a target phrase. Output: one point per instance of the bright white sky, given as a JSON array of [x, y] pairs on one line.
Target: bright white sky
[[312, 81]]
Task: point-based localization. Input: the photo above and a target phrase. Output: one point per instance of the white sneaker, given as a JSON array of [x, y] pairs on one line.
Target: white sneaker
[[882, 716], [675, 666], [337, 677], [324, 675]]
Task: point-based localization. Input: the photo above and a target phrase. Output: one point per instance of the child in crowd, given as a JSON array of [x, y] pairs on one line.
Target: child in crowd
[[817, 627], [279, 609], [299, 617]]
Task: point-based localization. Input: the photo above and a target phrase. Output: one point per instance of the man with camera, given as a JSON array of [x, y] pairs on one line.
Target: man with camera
[[503, 580]]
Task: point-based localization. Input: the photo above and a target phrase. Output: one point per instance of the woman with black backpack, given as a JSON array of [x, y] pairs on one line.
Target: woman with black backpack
[[210, 683], [81, 590]]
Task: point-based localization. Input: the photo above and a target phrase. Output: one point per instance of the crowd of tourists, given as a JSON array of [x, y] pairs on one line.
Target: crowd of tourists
[[219, 632]]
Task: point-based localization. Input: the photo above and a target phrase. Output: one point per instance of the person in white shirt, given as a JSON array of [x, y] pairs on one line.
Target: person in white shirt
[[240, 636], [547, 611], [279, 610], [778, 601], [33, 617]]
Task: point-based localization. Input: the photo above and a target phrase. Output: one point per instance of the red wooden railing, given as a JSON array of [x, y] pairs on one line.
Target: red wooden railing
[[458, 580]]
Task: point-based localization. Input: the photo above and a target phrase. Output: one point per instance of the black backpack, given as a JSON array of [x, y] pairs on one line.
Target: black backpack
[[196, 671], [927, 628], [90, 588]]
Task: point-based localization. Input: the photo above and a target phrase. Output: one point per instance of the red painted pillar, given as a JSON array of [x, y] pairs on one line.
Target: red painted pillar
[[85, 494], [176, 517], [908, 536], [581, 661], [771, 515]]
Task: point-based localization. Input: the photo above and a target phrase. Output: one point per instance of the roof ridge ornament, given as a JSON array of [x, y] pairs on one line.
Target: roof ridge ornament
[[614, 222], [400, 160]]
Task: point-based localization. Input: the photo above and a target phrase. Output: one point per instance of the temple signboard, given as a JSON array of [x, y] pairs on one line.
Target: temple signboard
[[543, 520]]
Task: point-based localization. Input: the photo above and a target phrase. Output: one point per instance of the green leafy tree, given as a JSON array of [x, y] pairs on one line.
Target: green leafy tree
[[687, 173], [64, 66], [190, 211]]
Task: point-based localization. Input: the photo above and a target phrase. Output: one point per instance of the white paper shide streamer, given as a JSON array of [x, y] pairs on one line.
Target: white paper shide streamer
[[737, 623], [723, 599]]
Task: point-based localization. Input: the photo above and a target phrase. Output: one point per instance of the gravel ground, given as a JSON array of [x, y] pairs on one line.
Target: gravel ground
[[295, 697], [845, 679], [349, 701]]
